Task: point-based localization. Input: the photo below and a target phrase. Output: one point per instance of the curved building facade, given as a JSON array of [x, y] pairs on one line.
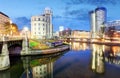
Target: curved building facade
[[41, 25], [97, 21], [100, 18]]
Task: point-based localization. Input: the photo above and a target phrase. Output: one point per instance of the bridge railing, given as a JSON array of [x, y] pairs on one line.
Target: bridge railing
[[11, 38]]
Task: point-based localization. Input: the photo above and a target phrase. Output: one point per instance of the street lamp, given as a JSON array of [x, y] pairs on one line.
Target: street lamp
[[26, 31]]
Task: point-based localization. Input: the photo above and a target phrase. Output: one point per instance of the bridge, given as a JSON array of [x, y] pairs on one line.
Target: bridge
[[6, 44], [74, 39]]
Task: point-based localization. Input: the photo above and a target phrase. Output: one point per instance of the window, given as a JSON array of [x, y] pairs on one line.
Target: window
[[38, 19], [34, 19], [34, 24], [38, 28]]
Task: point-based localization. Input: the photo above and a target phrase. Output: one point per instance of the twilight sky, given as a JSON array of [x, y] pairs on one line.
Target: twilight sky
[[68, 13]]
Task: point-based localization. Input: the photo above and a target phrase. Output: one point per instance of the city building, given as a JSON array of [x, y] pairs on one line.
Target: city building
[[4, 24], [41, 25], [100, 13], [93, 24], [97, 21], [113, 29], [65, 33], [80, 34]]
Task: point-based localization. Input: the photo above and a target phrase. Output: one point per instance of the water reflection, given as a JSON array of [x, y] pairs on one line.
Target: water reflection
[[102, 54], [98, 59], [79, 46], [39, 68], [112, 55]]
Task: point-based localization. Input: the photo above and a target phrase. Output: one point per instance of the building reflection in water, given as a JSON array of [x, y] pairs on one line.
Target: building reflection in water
[[40, 67], [43, 71], [79, 46], [98, 59], [112, 55]]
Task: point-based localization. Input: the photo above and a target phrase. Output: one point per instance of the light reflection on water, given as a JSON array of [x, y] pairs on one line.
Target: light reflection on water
[[82, 61]]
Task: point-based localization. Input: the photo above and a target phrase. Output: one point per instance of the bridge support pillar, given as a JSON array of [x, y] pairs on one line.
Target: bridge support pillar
[[4, 56], [25, 47]]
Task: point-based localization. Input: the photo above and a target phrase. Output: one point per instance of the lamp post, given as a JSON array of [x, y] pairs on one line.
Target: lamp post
[[26, 38], [26, 31]]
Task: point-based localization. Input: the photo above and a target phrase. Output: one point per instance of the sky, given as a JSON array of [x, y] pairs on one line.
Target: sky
[[73, 14]]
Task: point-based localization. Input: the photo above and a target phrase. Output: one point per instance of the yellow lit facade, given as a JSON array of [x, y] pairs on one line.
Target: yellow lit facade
[[4, 24], [80, 34]]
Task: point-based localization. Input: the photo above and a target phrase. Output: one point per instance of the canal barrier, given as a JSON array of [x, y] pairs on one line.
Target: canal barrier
[[47, 51]]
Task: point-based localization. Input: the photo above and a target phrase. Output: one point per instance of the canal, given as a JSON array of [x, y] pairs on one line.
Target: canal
[[82, 61]]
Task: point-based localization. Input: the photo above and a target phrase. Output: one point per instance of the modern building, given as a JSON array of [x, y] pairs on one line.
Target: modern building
[[4, 24], [100, 17], [93, 24], [41, 25], [97, 21], [113, 29]]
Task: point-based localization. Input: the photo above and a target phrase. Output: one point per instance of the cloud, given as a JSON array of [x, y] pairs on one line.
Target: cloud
[[78, 14], [92, 2], [21, 22]]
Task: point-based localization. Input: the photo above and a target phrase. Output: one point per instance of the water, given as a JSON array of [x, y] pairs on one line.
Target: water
[[82, 61]]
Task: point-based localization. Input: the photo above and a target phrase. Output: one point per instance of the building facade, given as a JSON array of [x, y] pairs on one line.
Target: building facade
[[100, 18], [41, 25], [93, 24], [4, 24], [80, 34], [97, 21], [113, 29]]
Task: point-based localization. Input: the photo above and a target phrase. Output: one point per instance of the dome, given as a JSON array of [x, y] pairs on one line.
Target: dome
[[14, 27], [47, 8]]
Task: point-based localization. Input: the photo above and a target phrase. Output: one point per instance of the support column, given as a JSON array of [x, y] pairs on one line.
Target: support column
[[25, 47], [4, 57]]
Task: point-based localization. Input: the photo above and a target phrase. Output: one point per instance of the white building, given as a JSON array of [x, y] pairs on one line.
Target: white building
[[41, 25], [93, 24]]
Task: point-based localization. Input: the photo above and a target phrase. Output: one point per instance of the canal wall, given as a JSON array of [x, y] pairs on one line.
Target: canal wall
[[47, 51]]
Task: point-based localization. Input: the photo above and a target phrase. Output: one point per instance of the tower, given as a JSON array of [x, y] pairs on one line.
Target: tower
[[93, 24], [100, 18], [49, 28], [97, 21]]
